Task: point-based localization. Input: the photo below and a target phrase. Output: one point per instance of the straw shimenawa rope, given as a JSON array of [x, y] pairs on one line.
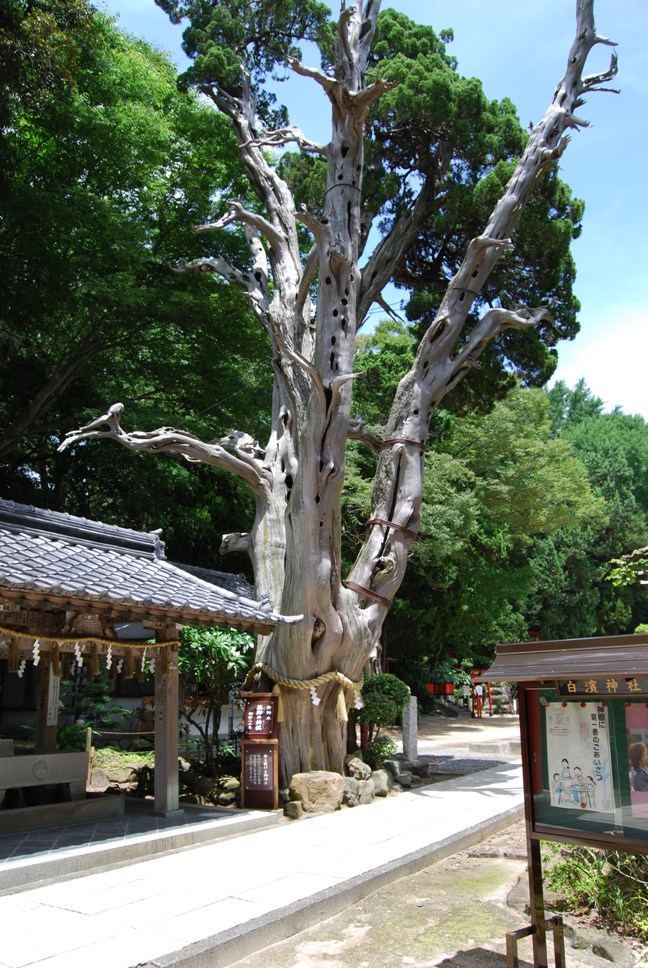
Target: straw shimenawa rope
[[280, 681], [85, 640], [80, 641]]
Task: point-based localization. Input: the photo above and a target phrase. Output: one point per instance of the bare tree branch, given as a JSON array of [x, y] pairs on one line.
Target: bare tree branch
[[493, 322], [399, 474], [235, 541], [284, 136], [308, 274], [237, 213], [237, 452], [325, 82], [358, 430], [391, 249]]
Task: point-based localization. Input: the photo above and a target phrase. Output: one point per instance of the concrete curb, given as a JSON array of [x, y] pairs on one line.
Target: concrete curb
[[222, 949], [28, 872]]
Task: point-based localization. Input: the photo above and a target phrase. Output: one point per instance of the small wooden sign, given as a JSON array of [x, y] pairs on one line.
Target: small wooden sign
[[602, 687], [260, 780], [260, 716]]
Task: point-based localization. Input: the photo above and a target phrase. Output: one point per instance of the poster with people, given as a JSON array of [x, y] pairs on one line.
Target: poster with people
[[578, 754], [636, 716]]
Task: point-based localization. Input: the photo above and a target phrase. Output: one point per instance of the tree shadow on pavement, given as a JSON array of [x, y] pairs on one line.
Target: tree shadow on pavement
[[478, 958]]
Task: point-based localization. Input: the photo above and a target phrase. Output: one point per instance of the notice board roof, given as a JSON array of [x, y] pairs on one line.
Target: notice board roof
[[620, 655]]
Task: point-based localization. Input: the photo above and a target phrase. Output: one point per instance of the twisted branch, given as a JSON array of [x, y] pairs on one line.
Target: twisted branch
[[237, 213], [358, 430], [284, 136], [237, 452]]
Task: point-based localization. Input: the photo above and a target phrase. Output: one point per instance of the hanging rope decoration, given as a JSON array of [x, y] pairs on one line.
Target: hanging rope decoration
[[344, 685], [17, 657]]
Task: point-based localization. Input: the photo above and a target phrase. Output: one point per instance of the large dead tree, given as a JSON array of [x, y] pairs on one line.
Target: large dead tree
[[297, 478]]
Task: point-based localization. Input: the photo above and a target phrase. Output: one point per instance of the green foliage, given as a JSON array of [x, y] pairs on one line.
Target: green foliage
[[378, 749], [211, 663], [87, 703], [40, 44], [629, 569], [382, 357], [384, 696], [450, 669], [570, 407], [571, 597], [113, 166], [613, 884], [436, 120], [225, 38], [536, 483], [71, 736], [492, 484]]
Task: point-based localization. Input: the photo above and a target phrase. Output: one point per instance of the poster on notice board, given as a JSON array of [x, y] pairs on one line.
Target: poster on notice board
[[636, 716], [578, 754]]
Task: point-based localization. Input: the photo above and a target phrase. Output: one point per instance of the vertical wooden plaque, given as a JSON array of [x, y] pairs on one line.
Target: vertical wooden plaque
[[260, 780]]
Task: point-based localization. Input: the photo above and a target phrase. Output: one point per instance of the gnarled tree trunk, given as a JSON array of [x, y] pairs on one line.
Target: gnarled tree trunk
[[297, 478]]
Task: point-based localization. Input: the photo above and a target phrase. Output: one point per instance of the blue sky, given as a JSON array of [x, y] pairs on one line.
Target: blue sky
[[518, 49]]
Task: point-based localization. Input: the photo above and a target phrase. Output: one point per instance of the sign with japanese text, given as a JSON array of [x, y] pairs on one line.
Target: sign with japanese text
[[604, 686], [260, 774], [260, 716], [578, 755]]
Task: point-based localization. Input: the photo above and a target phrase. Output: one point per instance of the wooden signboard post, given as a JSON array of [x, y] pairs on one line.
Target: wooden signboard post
[[260, 753]]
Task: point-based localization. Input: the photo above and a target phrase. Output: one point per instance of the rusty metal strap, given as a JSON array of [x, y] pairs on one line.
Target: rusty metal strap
[[391, 524], [367, 593], [402, 440]]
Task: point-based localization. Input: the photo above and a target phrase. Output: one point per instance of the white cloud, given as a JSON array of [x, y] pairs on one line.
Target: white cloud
[[612, 359]]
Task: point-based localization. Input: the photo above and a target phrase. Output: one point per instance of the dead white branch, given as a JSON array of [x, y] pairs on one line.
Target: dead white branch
[[288, 135], [237, 452], [237, 213], [358, 430]]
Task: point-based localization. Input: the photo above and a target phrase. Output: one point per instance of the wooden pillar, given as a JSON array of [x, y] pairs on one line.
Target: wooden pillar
[[48, 705], [166, 734], [531, 754]]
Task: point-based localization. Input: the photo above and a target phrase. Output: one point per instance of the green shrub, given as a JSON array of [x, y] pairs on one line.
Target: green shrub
[[384, 696], [380, 748], [71, 736], [614, 884]]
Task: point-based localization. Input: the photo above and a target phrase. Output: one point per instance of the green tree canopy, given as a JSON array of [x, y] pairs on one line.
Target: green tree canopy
[[108, 168]]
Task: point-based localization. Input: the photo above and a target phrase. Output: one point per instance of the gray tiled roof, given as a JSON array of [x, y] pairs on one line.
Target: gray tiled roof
[[60, 557], [224, 579]]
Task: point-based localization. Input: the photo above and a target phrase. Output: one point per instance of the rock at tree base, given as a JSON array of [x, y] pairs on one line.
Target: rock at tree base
[[367, 791], [358, 769], [293, 810], [318, 792], [351, 795], [381, 782]]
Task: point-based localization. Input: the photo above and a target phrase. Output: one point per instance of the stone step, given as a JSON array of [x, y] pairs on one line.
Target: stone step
[[51, 862]]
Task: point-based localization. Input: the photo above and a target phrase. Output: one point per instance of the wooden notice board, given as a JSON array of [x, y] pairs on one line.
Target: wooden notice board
[[260, 769], [260, 716]]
